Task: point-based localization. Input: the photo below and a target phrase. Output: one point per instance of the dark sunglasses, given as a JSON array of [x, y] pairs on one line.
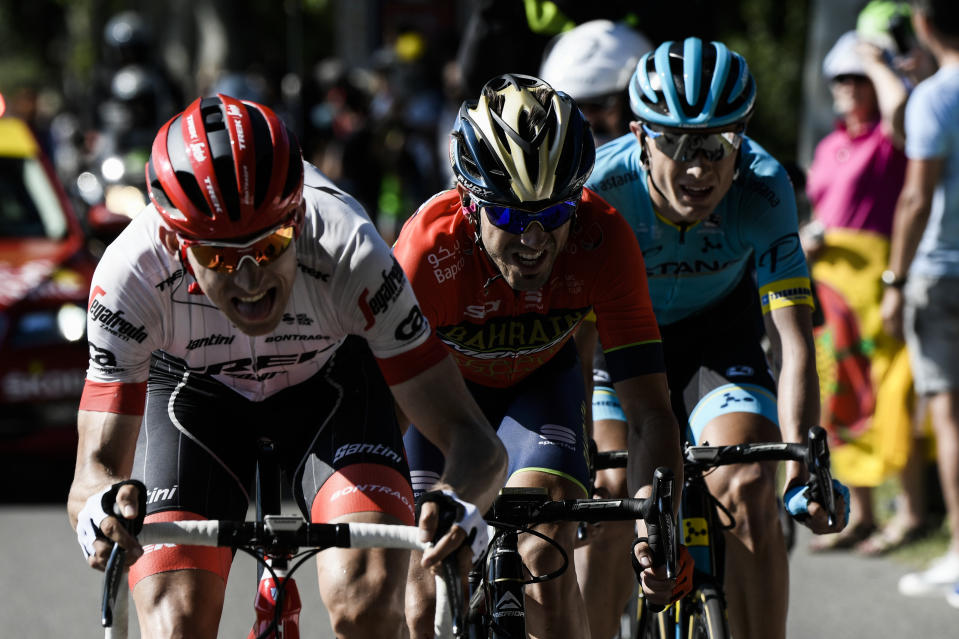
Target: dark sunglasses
[[683, 147], [516, 221], [843, 78], [226, 257]]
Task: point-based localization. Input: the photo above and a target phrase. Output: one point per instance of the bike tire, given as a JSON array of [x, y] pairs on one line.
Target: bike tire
[[706, 613]]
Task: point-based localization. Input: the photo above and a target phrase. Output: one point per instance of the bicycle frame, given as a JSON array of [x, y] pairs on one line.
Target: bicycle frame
[[497, 606]]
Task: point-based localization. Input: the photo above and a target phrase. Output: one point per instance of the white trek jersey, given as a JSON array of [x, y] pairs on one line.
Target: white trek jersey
[[347, 283]]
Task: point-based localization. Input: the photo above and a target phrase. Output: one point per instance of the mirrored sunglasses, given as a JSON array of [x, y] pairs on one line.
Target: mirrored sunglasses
[[226, 257], [514, 220], [684, 147]]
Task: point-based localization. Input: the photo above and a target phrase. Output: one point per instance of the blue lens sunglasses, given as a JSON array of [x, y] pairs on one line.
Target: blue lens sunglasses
[[516, 221]]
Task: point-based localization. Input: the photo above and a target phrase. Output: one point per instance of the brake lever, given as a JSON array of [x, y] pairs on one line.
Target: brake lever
[[817, 461], [111, 585]]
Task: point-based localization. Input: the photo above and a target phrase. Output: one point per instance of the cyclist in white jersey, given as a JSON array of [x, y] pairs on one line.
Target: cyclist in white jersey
[[253, 299]]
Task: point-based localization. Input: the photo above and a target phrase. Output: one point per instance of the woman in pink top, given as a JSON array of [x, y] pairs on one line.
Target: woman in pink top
[[853, 183]]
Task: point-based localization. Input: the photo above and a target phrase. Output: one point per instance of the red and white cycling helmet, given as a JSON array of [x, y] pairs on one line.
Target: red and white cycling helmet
[[225, 168]]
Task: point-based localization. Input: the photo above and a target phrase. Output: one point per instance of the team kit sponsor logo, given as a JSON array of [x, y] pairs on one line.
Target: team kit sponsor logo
[[103, 359], [445, 264], [114, 321], [412, 325], [260, 368], [394, 281], [510, 336], [213, 340], [367, 449], [372, 489]]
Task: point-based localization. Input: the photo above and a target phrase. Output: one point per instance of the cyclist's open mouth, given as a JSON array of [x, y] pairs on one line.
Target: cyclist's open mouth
[[696, 193], [255, 307], [530, 260]]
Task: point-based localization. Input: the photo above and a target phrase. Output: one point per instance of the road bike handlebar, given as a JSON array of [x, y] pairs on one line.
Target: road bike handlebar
[[522, 507], [815, 453], [277, 535]]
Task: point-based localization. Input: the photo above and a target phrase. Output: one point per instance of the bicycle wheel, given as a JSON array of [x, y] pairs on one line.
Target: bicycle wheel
[[637, 622], [706, 612]]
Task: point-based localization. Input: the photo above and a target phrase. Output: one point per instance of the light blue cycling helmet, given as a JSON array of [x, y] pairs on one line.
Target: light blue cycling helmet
[[692, 85]]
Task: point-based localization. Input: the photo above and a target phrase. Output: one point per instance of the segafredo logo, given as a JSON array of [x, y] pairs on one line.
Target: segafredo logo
[[113, 321]]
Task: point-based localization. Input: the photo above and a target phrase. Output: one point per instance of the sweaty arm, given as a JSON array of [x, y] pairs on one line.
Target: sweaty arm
[[438, 402], [790, 332], [653, 432], [107, 443]]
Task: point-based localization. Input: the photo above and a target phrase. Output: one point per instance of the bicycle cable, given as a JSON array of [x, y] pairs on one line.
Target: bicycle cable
[[534, 579], [280, 586]]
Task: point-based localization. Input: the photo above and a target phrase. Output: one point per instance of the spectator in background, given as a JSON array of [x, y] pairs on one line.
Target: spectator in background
[[593, 63], [922, 281], [853, 182]]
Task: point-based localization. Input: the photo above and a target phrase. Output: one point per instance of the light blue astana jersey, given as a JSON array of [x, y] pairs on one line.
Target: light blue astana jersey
[[932, 131], [690, 267]]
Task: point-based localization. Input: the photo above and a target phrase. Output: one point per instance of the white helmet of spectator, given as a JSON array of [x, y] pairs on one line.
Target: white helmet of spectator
[[593, 59]]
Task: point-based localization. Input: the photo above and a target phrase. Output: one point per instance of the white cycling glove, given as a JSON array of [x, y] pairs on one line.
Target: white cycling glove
[[464, 514], [101, 505]]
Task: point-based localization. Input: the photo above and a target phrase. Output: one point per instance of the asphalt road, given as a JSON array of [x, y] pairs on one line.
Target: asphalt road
[[49, 592]]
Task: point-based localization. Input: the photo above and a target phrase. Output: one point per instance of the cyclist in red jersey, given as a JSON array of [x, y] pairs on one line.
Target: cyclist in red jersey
[[506, 266], [253, 299]]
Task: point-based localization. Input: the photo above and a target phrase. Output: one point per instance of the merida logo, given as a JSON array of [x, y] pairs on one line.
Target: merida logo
[[115, 323], [213, 340]]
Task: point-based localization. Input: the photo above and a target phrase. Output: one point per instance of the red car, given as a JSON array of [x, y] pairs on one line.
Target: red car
[[45, 272]]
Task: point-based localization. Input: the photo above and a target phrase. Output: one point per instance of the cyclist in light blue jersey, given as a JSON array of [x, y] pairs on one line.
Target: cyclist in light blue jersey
[[716, 219]]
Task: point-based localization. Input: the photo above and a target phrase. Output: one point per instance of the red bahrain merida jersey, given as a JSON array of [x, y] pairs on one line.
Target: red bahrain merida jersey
[[498, 335]]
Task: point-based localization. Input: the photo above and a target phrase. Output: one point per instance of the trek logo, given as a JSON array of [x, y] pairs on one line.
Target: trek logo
[[386, 294], [244, 366], [372, 449], [480, 311], [295, 338], [170, 281], [113, 321], [312, 272], [300, 319], [161, 494], [785, 247], [213, 340], [413, 325], [191, 127], [234, 112], [208, 184], [508, 606]]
